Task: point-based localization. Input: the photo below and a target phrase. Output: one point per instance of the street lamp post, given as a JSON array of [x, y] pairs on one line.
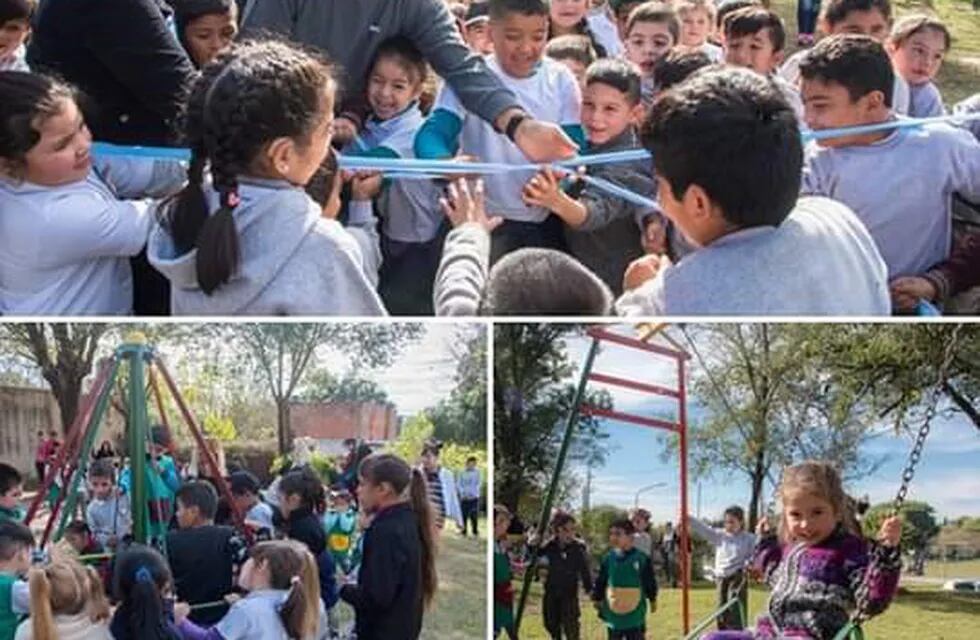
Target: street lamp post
[[636, 499]]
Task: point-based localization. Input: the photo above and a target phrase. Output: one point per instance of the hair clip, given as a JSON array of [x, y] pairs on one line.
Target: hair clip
[[143, 575], [294, 580]]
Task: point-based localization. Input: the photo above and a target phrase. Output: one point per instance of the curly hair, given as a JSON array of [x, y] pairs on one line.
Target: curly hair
[[247, 97], [29, 99]]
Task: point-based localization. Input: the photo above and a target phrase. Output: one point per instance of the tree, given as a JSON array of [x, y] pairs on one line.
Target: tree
[[769, 406], [323, 386], [919, 526], [63, 352], [462, 417], [532, 399], [281, 354]]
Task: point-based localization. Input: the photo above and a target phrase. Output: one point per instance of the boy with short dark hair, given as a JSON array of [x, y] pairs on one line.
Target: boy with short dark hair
[[108, 513], [563, 564], [16, 542], [602, 230], [202, 555], [11, 492], [573, 51], [914, 173], [79, 536], [762, 252], [678, 66], [245, 493], [855, 17], [733, 550], [525, 282], [652, 30], [15, 27], [755, 38], [546, 89], [624, 584]]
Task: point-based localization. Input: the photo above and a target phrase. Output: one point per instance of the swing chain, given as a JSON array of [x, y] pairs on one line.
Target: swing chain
[[920, 440], [863, 594]]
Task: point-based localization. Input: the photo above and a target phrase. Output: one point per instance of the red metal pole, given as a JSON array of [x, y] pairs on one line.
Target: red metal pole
[[685, 539], [81, 418], [163, 414], [203, 448]]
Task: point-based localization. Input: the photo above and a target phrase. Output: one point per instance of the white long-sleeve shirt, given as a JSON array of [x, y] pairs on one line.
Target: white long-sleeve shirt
[[732, 550]]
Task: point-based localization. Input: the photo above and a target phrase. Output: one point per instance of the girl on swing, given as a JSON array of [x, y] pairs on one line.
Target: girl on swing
[[819, 568]]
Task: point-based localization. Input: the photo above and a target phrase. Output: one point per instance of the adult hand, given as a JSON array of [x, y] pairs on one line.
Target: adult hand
[[464, 205], [642, 270], [344, 130], [890, 533], [908, 290], [543, 141]]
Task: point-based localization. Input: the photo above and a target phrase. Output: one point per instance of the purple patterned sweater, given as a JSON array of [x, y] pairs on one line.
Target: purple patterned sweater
[[814, 589]]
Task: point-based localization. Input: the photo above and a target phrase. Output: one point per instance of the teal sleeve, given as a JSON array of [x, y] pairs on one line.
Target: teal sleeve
[[576, 133], [376, 152], [439, 136]]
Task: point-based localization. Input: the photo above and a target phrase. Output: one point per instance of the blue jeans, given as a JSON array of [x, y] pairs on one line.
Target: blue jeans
[[807, 12]]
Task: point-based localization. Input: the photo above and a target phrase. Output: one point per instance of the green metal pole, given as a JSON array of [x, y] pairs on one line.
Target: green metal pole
[[137, 440], [704, 624], [83, 459], [553, 487]]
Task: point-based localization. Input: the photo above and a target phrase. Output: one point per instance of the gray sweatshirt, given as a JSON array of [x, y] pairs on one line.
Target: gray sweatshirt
[[293, 260], [819, 261], [925, 101], [108, 518], [351, 30], [732, 550], [462, 274], [913, 174]]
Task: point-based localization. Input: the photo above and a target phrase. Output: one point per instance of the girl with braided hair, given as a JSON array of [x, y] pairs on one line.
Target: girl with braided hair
[[249, 240]]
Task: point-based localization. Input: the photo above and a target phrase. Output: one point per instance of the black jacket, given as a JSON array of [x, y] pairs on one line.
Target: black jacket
[[202, 560], [566, 566], [388, 596], [123, 56], [305, 526]]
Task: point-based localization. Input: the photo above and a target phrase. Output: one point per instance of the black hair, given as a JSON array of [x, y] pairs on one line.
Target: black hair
[[200, 494], [500, 9], [623, 524], [388, 468], [858, 63], [243, 482], [432, 446], [78, 527], [102, 468], [571, 47], [619, 75], [249, 96], [16, 10], [186, 11], [677, 66], [307, 485], [544, 282], [727, 8], [160, 435], [618, 6], [836, 11], [560, 519], [736, 512], [751, 20], [655, 12], [140, 578], [14, 537], [404, 52], [9, 478], [471, 458], [322, 184], [737, 119], [28, 100]]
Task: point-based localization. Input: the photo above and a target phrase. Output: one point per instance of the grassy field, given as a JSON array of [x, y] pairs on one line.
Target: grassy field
[[917, 613], [960, 74], [963, 569]]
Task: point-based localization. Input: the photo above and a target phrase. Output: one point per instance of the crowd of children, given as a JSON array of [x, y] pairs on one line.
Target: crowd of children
[[262, 222], [202, 577], [819, 566]]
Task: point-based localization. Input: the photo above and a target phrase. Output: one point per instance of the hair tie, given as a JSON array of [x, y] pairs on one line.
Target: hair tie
[[143, 575], [294, 581]]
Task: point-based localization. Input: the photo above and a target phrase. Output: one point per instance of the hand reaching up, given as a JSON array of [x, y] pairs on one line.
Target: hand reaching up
[[465, 205]]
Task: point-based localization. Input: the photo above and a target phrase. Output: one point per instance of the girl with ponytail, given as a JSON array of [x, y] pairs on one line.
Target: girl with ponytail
[[397, 578], [243, 237], [283, 600], [142, 584], [67, 603]]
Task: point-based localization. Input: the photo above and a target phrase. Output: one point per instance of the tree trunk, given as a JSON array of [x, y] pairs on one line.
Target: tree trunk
[[758, 478], [963, 403], [282, 417], [68, 398]]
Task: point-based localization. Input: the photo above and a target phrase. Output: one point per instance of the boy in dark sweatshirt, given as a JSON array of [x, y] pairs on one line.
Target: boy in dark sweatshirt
[[563, 563], [624, 584]]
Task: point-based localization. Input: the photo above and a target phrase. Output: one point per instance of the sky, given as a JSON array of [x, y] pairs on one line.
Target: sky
[[948, 475]]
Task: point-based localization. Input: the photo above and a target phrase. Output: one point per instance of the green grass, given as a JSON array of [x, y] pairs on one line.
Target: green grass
[[960, 74], [917, 613], [961, 569]]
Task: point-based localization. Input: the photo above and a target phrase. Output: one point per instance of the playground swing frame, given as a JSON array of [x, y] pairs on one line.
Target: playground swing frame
[[680, 358], [71, 463]]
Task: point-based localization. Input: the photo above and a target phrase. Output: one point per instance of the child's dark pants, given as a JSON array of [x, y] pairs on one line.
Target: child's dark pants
[[732, 617], [627, 634], [561, 615]]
